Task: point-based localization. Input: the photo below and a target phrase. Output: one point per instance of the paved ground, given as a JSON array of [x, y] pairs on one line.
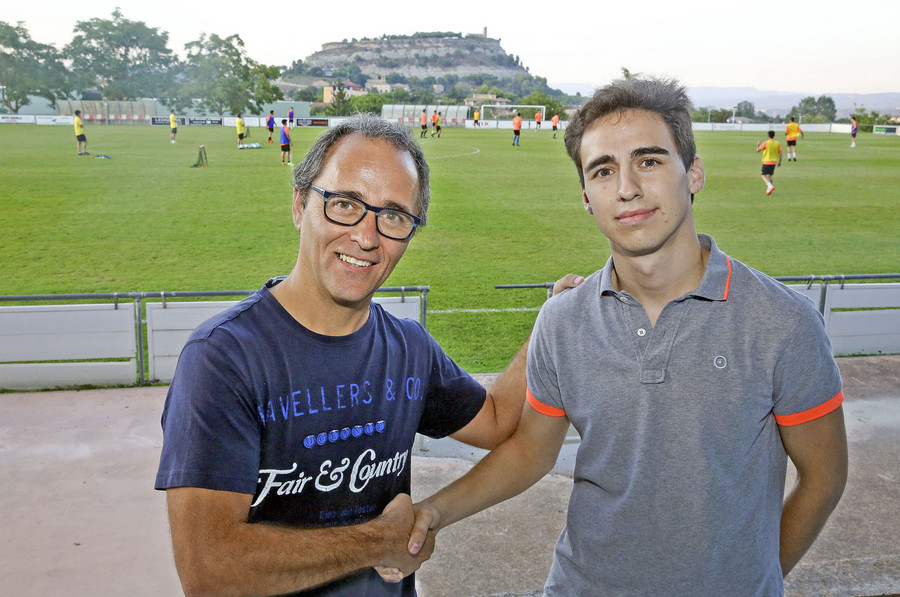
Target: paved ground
[[81, 517]]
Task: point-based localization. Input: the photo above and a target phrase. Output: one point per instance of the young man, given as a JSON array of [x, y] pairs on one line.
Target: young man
[[537, 120], [438, 125], [285, 143], [517, 128], [270, 124], [173, 125], [80, 138], [854, 128], [291, 117], [239, 125], [477, 117], [423, 120], [433, 122], [791, 132], [555, 122], [690, 377], [289, 425], [771, 157]]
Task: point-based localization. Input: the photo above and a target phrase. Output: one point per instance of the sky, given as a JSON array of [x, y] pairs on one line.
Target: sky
[[803, 46]]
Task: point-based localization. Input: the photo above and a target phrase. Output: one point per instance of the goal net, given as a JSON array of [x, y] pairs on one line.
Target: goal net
[[507, 111]]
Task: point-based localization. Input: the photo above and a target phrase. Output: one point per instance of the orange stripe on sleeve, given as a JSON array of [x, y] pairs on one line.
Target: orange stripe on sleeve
[[811, 414], [728, 281], [544, 409]]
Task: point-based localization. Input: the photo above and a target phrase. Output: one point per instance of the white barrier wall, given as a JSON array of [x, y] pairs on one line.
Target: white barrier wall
[[169, 325], [17, 119], [46, 346]]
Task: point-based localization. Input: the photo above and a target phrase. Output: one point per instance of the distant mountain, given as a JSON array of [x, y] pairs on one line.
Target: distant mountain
[[773, 102], [419, 55], [781, 102]]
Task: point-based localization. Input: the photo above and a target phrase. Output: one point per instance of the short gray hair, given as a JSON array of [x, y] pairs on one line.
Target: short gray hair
[[372, 127]]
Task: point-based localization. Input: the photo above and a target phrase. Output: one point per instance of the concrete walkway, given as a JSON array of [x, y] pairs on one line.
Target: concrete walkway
[[81, 517]]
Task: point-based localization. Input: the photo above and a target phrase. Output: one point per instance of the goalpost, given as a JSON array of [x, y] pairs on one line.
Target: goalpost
[[507, 111]]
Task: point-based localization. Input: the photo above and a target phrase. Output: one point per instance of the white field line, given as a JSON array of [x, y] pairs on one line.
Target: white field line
[[456, 155]]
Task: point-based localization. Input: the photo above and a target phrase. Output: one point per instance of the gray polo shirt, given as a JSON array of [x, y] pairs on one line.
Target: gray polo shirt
[[679, 478]]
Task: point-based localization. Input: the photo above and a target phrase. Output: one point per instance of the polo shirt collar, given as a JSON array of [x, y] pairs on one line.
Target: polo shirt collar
[[716, 278]]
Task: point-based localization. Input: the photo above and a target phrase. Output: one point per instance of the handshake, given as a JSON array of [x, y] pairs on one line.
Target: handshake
[[408, 537]]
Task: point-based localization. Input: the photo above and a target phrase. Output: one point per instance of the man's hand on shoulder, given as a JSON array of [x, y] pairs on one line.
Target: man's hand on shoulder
[[566, 282]]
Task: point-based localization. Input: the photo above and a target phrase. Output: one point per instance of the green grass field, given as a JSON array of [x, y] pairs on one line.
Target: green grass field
[[145, 221]]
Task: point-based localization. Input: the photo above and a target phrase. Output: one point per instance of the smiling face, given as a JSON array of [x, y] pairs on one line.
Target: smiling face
[[636, 186], [345, 265]]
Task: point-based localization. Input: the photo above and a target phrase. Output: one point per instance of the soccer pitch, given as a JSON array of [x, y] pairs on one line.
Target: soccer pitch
[[145, 221]]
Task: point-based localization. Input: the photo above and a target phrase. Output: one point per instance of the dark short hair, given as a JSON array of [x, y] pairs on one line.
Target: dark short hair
[[284, 121], [371, 127], [771, 134], [665, 98]]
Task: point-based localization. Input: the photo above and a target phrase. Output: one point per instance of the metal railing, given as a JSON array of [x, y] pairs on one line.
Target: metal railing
[[825, 280], [138, 299]]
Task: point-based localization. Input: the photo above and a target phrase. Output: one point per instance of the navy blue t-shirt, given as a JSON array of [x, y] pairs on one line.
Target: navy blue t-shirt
[[318, 428]]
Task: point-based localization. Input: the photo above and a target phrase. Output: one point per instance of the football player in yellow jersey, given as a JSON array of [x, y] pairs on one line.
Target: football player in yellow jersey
[[791, 132], [80, 138], [239, 125], [771, 157]]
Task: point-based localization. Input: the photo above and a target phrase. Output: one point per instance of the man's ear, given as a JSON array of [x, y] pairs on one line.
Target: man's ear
[[587, 202], [297, 208], [696, 176]]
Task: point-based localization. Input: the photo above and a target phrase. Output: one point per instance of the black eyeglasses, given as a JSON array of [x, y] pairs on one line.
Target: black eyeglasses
[[349, 211]]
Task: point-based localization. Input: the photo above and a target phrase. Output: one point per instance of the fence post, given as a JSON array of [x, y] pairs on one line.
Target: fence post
[[139, 338]]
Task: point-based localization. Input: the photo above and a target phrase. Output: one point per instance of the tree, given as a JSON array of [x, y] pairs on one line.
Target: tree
[[124, 59], [710, 114], [539, 98], [355, 75], [455, 95], [219, 72], [368, 104], [307, 94], [395, 78], [340, 102], [745, 109], [867, 120], [628, 75], [29, 68], [296, 68], [811, 109]]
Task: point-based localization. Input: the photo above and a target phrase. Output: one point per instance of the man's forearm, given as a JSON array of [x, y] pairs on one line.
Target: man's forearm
[[219, 554], [269, 560], [819, 451], [504, 473], [805, 512], [514, 466]]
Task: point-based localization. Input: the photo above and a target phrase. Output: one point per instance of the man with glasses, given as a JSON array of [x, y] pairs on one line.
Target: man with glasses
[[290, 421]]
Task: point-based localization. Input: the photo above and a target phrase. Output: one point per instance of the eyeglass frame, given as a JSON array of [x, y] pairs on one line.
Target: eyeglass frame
[[368, 208]]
